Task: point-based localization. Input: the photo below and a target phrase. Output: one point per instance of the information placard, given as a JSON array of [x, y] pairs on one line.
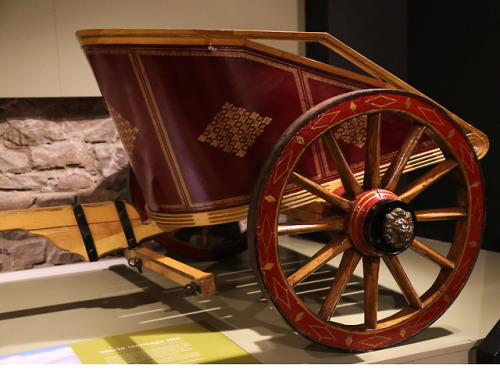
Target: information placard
[[194, 342]]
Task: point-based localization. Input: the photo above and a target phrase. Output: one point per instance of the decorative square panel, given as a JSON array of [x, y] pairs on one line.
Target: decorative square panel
[[234, 129], [127, 131], [353, 131]]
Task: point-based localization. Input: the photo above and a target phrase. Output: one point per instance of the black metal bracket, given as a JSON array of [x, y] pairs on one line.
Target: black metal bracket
[[192, 288], [126, 224], [136, 262], [85, 232]]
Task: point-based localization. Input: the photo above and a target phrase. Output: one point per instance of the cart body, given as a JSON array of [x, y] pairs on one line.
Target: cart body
[[199, 111]]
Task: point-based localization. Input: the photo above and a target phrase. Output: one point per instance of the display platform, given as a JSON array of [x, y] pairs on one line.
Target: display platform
[[57, 306]]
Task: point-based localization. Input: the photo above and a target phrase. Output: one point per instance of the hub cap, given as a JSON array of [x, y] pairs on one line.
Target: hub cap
[[380, 223]]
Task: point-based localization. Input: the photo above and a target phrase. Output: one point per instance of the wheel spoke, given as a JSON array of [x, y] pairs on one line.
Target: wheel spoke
[[395, 170], [403, 281], [371, 266], [432, 255], [320, 191], [372, 158], [204, 236], [408, 193], [441, 214], [295, 228], [346, 268], [350, 183], [323, 256]]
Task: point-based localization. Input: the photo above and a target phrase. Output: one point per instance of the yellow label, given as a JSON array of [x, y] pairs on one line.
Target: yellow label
[[194, 342]]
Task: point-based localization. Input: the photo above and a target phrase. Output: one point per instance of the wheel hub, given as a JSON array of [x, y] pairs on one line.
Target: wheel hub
[[398, 228], [380, 223]]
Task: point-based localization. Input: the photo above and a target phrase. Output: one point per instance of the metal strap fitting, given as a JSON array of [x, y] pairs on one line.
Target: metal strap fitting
[[126, 224], [85, 232]]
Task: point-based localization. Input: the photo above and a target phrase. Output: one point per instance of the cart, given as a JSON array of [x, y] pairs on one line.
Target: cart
[[233, 141]]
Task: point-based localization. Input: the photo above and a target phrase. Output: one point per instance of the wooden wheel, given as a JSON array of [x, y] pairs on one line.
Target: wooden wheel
[[215, 242], [401, 285]]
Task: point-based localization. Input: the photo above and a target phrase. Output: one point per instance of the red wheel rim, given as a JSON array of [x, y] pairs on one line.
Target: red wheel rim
[[264, 222]]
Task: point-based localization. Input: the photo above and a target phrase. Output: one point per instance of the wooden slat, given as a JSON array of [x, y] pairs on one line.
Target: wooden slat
[[395, 170], [403, 281], [372, 158], [300, 227], [412, 190], [320, 192], [432, 255], [441, 214], [371, 265], [346, 268], [349, 182], [323, 256]]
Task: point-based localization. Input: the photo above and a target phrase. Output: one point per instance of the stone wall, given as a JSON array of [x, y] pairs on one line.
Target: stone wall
[[55, 152]]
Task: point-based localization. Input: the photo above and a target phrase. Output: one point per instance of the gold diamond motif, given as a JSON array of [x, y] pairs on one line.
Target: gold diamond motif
[[281, 293], [234, 129], [268, 266], [381, 101], [299, 316], [127, 131], [266, 231], [431, 115], [325, 120], [477, 215], [467, 158], [353, 131], [402, 332], [270, 198], [423, 320], [407, 103], [375, 340], [282, 167], [323, 332]]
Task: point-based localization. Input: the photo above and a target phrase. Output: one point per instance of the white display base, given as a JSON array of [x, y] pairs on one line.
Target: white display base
[[64, 304]]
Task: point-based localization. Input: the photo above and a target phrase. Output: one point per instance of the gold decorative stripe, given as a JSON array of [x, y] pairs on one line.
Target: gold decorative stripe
[[161, 131], [236, 53], [172, 221]]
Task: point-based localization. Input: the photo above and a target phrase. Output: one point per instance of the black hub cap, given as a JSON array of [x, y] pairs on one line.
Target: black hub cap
[[389, 227]]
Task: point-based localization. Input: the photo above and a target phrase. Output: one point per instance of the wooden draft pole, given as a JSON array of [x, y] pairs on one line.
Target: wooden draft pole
[[97, 229]]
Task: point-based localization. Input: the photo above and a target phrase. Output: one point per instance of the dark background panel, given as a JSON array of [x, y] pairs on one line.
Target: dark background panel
[[447, 49]]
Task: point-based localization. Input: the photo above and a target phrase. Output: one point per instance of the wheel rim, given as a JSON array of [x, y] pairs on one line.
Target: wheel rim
[[317, 321]]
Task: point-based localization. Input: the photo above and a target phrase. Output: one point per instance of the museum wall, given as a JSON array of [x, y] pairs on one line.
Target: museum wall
[[446, 49], [42, 58], [55, 151], [453, 58], [58, 144]]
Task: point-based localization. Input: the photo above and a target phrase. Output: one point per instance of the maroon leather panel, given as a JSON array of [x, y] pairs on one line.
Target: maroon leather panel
[[198, 123]]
